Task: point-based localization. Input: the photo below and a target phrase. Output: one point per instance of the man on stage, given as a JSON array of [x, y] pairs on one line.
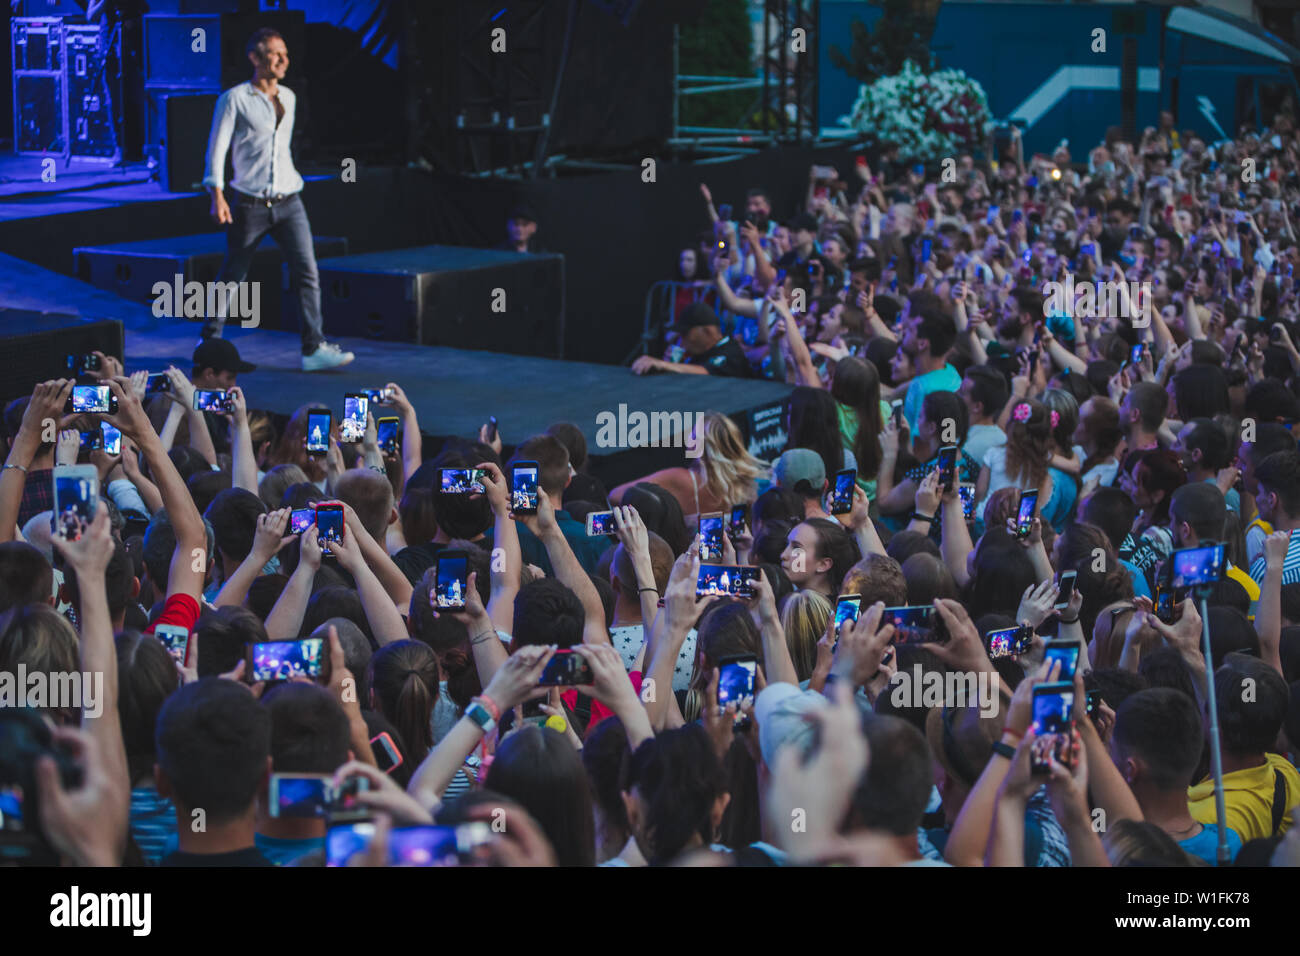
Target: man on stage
[[257, 119]]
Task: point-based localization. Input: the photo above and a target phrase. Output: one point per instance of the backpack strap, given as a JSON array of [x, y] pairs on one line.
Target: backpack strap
[[1279, 799]]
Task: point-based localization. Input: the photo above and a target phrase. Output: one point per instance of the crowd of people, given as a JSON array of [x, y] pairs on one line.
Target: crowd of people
[[1148, 412]]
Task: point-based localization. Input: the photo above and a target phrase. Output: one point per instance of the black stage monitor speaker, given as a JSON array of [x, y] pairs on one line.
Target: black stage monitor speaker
[[186, 121], [450, 296], [41, 352]]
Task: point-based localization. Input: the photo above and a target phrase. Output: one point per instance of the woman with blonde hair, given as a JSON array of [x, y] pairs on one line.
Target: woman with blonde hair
[[804, 620], [724, 474]]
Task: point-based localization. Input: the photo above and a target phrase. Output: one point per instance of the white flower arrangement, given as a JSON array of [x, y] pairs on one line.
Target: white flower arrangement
[[929, 116]]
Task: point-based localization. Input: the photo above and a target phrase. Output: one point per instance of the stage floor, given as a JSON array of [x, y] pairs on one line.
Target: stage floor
[[453, 390], [82, 186]]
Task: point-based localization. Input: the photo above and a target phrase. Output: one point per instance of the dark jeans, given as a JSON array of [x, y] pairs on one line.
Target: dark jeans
[[287, 224]]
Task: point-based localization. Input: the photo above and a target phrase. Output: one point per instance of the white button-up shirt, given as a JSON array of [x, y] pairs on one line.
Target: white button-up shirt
[[245, 121]]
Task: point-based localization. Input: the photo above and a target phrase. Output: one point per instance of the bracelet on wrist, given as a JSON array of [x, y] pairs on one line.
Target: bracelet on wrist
[[640, 590], [493, 708], [917, 516], [1014, 734], [482, 636]]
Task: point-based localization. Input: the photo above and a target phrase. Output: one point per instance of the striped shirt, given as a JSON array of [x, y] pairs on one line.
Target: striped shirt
[[153, 824], [1290, 567]]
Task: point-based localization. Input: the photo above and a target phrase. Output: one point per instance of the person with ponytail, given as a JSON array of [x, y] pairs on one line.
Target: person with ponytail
[[403, 678], [1023, 461]]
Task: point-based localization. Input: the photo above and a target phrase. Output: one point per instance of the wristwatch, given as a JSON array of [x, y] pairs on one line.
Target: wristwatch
[[481, 716]]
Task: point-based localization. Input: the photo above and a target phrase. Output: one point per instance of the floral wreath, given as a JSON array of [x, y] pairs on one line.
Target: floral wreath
[[1021, 412]]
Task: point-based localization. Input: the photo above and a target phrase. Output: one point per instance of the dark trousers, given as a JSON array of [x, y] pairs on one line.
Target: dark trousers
[[286, 223]]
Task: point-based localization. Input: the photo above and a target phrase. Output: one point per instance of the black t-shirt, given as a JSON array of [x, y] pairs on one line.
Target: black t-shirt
[[249, 856], [415, 559], [726, 358]]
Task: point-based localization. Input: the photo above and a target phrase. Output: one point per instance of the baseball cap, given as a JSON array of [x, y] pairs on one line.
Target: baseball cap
[[780, 710], [694, 315], [800, 465], [220, 356]]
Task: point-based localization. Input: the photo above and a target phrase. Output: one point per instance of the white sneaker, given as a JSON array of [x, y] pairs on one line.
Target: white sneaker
[[326, 356]]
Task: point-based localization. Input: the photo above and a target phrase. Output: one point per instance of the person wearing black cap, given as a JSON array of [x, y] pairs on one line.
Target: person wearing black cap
[[216, 365], [254, 124], [708, 351], [521, 227]]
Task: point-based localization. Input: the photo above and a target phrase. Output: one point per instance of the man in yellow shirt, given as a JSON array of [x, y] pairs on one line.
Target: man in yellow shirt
[[1260, 788]]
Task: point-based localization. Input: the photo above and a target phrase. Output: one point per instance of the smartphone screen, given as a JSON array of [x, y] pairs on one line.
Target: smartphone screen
[[387, 430], [947, 466], [736, 679], [1009, 642], [436, 845], [736, 523], [91, 399], [378, 396], [711, 537], [523, 488], [353, 426], [721, 580], [966, 492], [896, 409], [175, 638], [318, 432], [566, 668], [1135, 354], [842, 494], [211, 400], [76, 493], [300, 795], [157, 383], [410, 846], [453, 578], [1065, 583], [461, 481], [912, 624], [1067, 652], [1196, 566], [600, 522], [329, 524], [281, 660], [847, 609], [1025, 514], [1053, 725], [111, 437], [300, 519]]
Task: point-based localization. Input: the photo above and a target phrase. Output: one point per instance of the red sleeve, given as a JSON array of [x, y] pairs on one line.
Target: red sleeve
[[598, 710], [181, 610]]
